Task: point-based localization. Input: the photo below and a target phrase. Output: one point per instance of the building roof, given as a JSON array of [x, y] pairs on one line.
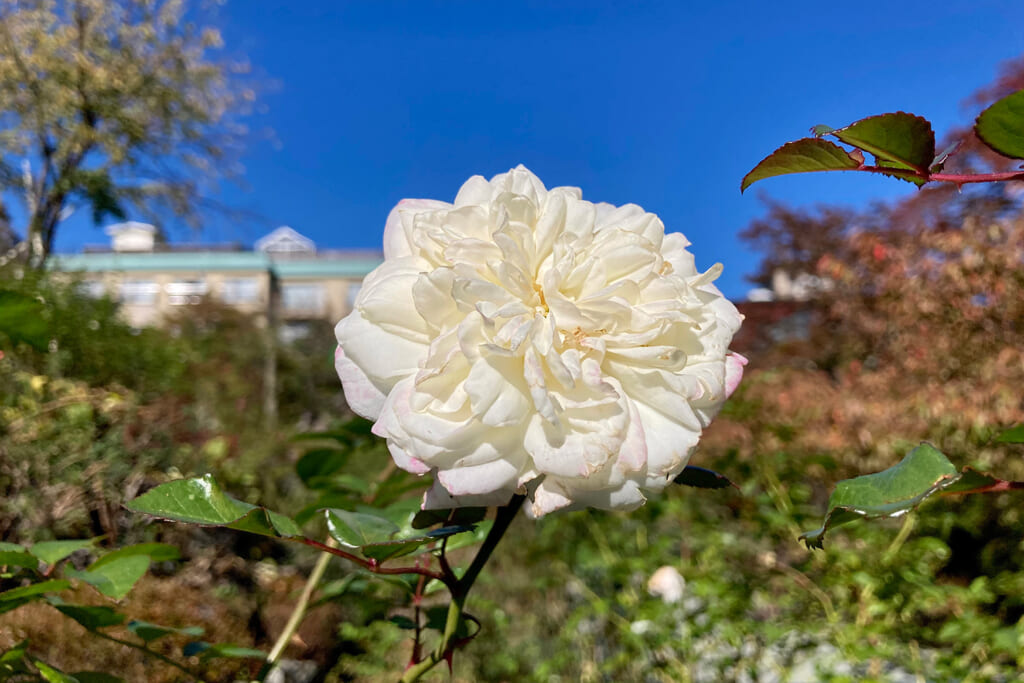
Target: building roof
[[160, 261], [285, 240], [284, 253], [348, 264]]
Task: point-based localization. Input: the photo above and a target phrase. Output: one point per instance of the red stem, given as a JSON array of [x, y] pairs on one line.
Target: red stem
[[963, 179], [958, 178], [374, 565]]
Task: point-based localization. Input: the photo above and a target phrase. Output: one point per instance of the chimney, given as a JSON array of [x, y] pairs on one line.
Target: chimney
[[132, 236]]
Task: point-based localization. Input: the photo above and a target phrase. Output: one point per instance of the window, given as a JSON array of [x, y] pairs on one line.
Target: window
[[241, 290], [307, 298], [94, 289], [291, 332], [185, 292], [139, 292]]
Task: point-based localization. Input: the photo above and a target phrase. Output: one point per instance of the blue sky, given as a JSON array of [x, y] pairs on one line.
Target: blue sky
[[664, 104]]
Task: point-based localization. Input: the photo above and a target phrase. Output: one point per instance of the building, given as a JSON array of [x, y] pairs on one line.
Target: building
[[284, 279]]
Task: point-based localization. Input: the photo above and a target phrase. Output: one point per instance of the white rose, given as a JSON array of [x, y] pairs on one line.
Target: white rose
[[525, 340]]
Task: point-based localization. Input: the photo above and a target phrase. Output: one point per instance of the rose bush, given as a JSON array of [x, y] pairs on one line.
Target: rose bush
[[526, 340]]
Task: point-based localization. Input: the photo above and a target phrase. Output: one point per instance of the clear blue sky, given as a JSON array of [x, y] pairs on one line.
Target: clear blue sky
[[664, 104]]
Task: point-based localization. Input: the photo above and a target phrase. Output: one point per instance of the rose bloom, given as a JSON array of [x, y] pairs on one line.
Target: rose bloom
[[525, 340]]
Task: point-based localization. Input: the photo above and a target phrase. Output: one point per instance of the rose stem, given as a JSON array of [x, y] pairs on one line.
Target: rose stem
[[461, 588]]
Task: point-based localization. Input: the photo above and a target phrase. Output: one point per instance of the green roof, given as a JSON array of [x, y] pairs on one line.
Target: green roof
[[356, 267], [212, 261], [160, 261]]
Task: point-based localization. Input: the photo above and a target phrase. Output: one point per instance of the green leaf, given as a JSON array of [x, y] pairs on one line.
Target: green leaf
[[52, 552], [1014, 434], [456, 517], [35, 589], [156, 552], [95, 677], [319, 463], [91, 618], [821, 129], [208, 651], [898, 140], [356, 429], [11, 605], [698, 477], [437, 619], [327, 499], [386, 550], [356, 529], [201, 501], [402, 622], [479, 534], [52, 675], [13, 660], [116, 577], [149, 632], [1001, 126], [802, 156], [22, 319], [894, 492], [12, 558], [334, 589], [401, 512]]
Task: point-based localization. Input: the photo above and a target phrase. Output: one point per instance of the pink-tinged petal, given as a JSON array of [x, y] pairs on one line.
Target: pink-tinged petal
[[734, 363], [473, 480], [669, 440], [406, 461], [396, 241], [547, 497], [626, 496], [437, 498], [365, 399]]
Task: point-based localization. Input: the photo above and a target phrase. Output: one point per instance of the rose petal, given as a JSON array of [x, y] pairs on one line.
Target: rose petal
[[361, 395], [396, 240]]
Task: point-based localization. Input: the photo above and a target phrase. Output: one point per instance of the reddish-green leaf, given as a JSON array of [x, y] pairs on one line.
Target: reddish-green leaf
[[1001, 126], [898, 140], [802, 156]]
